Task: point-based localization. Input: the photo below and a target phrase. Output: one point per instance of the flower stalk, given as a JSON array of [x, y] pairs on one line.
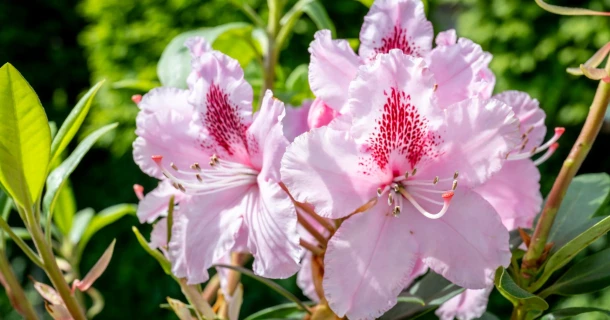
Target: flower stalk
[[14, 289], [590, 130]]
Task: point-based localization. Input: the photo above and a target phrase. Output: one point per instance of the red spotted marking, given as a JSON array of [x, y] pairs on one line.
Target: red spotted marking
[[398, 39], [224, 123], [401, 129]]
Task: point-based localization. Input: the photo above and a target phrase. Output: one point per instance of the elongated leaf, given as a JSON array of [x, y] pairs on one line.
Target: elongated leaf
[[154, 253], [175, 63], [137, 85], [104, 218], [180, 309], [193, 295], [96, 271], [585, 196], [289, 310], [22, 233], [65, 208], [570, 312], [571, 249], [47, 292], [58, 177], [276, 287], [316, 11], [595, 73], [567, 11], [73, 122], [488, 316], [5, 205], [25, 138], [515, 294], [97, 303], [80, 223], [588, 275]]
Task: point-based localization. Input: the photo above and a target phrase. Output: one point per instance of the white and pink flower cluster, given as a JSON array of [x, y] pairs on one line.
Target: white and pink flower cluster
[[405, 150]]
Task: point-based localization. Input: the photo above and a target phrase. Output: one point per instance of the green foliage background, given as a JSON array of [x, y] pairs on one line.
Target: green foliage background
[[65, 46]]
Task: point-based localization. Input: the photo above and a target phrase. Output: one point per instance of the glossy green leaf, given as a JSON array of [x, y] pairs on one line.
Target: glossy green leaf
[[165, 264], [73, 122], [25, 141], [515, 294], [566, 253], [136, 85], [425, 295], [367, 3], [585, 196], [175, 63], [488, 316], [65, 208], [276, 287], [80, 223], [282, 311], [58, 177], [588, 275], [567, 11], [316, 11], [104, 218], [22, 233], [5, 205], [570, 312]]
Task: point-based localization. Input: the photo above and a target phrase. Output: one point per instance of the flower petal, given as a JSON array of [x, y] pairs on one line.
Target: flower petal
[[156, 202], [515, 193], [529, 113], [158, 235], [295, 120], [459, 71], [272, 227], [206, 230], [446, 38], [333, 65], [477, 136], [470, 304], [305, 278], [393, 112], [321, 168], [320, 114], [368, 262], [466, 245], [164, 128], [396, 24], [223, 105]]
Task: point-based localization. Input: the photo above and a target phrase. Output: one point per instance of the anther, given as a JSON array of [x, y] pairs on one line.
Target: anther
[[435, 87], [173, 166], [396, 211], [414, 171], [524, 143], [390, 199], [379, 192], [435, 181], [454, 185], [456, 175], [214, 158], [198, 177], [396, 188], [529, 130], [407, 175], [175, 185], [195, 166], [181, 187]]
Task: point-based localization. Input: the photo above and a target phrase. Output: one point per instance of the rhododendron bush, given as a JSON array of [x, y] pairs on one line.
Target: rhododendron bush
[[406, 187]]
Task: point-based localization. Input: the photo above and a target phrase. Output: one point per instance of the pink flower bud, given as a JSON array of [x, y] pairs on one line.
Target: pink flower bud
[[320, 114]]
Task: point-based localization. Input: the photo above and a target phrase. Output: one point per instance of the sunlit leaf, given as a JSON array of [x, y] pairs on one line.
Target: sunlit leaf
[[517, 295], [73, 122], [80, 223], [65, 208], [571, 312], [180, 309], [567, 11], [26, 138], [104, 218], [154, 253], [136, 85], [58, 177], [595, 73], [175, 63], [47, 292], [316, 11], [588, 275]]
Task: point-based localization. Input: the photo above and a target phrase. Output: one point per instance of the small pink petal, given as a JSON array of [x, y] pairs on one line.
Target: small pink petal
[[295, 120], [266, 141], [333, 65], [396, 24], [197, 46], [136, 98], [180, 309], [47, 292], [320, 114], [305, 278], [155, 203], [158, 235], [529, 113], [368, 262], [470, 304], [96, 271], [446, 38], [58, 311]]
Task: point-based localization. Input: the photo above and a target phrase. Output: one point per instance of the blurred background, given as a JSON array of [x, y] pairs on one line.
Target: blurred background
[[62, 47]]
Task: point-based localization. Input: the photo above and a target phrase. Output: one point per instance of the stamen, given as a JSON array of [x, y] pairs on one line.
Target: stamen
[[447, 196], [454, 185], [396, 188], [396, 211], [173, 166], [547, 154], [414, 171], [390, 199], [139, 191], [407, 175], [558, 132], [435, 181], [435, 87], [379, 192], [456, 175], [198, 177], [195, 166]]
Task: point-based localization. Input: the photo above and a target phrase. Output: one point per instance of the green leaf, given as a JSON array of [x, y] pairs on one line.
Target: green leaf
[[566, 253], [65, 208], [289, 310], [73, 122], [367, 3], [276, 287], [567, 11], [22, 233], [515, 294], [570, 312], [58, 177], [136, 85], [588, 275], [25, 138], [424, 296], [297, 80], [175, 63], [315, 10], [166, 265], [488, 316], [80, 223], [585, 196], [104, 218]]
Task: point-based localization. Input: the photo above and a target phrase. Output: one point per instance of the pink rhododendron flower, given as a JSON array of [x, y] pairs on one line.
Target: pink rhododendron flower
[[295, 120], [460, 67], [209, 145], [399, 162], [471, 304]]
